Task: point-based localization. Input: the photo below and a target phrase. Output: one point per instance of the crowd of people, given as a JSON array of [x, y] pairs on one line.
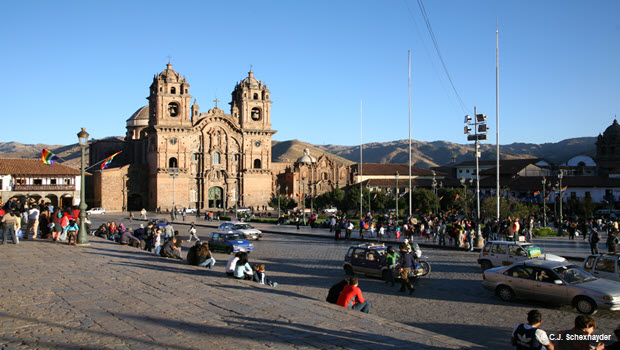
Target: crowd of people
[[24, 219]]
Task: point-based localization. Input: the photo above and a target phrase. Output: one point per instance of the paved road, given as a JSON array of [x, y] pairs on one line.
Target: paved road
[[451, 301], [107, 296]]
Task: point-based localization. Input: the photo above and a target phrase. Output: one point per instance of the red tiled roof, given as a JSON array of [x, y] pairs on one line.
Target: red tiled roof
[[390, 169], [34, 167]]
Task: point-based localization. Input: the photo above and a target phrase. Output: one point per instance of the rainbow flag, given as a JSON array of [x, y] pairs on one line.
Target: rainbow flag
[[564, 188], [440, 198], [106, 163], [536, 193], [48, 157], [374, 196], [456, 197]]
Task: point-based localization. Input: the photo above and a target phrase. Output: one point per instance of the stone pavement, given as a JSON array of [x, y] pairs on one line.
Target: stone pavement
[[107, 296]]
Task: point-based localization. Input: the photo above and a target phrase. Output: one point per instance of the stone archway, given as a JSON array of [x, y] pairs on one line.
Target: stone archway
[[53, 199], [66, 201], [134, 202], [215, 197]]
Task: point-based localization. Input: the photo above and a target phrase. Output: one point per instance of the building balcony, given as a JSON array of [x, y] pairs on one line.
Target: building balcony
[[44, 188]]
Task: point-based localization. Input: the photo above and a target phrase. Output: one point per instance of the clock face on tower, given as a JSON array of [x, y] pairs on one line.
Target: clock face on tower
[[257, 143]]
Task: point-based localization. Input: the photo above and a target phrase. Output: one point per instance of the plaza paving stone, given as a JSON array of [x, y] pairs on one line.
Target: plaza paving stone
[[107, 296]]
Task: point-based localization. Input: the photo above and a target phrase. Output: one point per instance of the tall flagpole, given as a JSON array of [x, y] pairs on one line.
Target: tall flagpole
[[497, 115], [410, 190], [361, 166]]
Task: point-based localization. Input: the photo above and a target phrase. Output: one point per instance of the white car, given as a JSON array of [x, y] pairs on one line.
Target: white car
[[95, 211], [330, 210], [241, 228], [187, 210], [504, 253]]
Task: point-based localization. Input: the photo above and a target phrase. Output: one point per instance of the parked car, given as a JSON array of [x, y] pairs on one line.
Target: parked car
[[95, 211], [369, 259], [603, 266], [332, 210], [554, 282], [161, 222], [229, 242], [242, 228], [504, 253], [187, 210]]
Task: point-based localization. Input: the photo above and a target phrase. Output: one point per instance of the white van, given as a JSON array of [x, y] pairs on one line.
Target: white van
[[504, 253]]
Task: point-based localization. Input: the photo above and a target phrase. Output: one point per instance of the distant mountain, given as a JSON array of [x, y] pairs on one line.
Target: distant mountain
[[424, 154], [427, 154]]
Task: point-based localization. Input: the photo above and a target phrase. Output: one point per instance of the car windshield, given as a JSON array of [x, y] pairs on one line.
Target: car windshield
[[243, 227], [232, 237], [573, 274]]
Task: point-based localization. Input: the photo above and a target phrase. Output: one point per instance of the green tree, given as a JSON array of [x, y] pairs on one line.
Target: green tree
[[425, 200], [285, 203]]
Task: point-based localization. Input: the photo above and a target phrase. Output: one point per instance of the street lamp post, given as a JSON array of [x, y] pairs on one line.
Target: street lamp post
[[397, 198], [480, 133], [544, 192], [173, 172], [278, 192], [303, 199], [560, 176], [434, 186], [81, 237]]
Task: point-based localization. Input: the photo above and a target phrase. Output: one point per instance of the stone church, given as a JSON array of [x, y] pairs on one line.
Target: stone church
[[174, 155]]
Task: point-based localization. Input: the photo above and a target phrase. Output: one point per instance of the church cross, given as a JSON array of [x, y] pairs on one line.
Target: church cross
[[216, 101], [251, 67]]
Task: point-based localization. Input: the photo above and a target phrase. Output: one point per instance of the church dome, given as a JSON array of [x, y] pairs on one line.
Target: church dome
[[613, 130], [141, 114], [306, 158], [169, 75]]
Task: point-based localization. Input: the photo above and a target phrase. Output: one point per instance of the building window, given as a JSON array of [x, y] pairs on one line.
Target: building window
[[52, 181], [256, 163], [460, 171], [20, 181], [173, 163], [1, 185], [236, 157], [256, 113], [256, 96], [216, 158], [588, 195], [195, 156], [173, 109], [38, 182], [185, 90], [173, 90], [160, 89], [68, 181]]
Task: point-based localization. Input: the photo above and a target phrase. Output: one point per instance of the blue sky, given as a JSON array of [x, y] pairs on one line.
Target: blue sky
[[72, 64]]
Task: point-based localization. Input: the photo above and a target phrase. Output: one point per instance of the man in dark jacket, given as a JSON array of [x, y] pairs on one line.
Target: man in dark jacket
[[406, 262], [170, 250], [594, 239], [335, 290]]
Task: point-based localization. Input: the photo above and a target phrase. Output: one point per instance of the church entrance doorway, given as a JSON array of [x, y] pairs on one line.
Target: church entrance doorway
[[216, 200], [134, 202]]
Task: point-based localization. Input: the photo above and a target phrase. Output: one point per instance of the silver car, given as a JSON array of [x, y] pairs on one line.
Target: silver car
[[553, 282], [242, 228]]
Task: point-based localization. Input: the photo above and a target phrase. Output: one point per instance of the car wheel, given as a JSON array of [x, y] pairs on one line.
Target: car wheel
[[229, 250], [348, 270], [585, 306], [485, 264], [505, 293]]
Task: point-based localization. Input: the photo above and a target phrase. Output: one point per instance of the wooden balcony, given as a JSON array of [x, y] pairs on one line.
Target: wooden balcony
[[44, 188]]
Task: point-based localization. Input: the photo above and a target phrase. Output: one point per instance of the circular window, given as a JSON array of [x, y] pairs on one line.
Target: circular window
[[173, 109], [173, 141], [257, 143]]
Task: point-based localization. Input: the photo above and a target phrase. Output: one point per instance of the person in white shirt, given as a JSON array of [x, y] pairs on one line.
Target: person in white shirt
[[33, 222]]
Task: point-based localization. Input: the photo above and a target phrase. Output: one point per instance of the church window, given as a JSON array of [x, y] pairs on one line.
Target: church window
[[185, 90], [256, 96], [236, 157], [263, 97], [160, 89], [173, 141], [216, 158], [173, 109], [256, 114], [173, 163], [257, 164], [173, 90], [324, 176]]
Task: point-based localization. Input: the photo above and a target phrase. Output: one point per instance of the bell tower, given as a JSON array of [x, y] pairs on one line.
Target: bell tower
[[169, 99], [251, 107]]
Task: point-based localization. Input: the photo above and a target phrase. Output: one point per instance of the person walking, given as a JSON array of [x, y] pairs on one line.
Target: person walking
[[10, 220], [529, 336], [391, 258], [192, 233], [612, 242], [143, 214], [594, 239], [406, 262]]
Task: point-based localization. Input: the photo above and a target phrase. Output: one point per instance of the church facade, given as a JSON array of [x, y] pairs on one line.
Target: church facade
[[175, 155]]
